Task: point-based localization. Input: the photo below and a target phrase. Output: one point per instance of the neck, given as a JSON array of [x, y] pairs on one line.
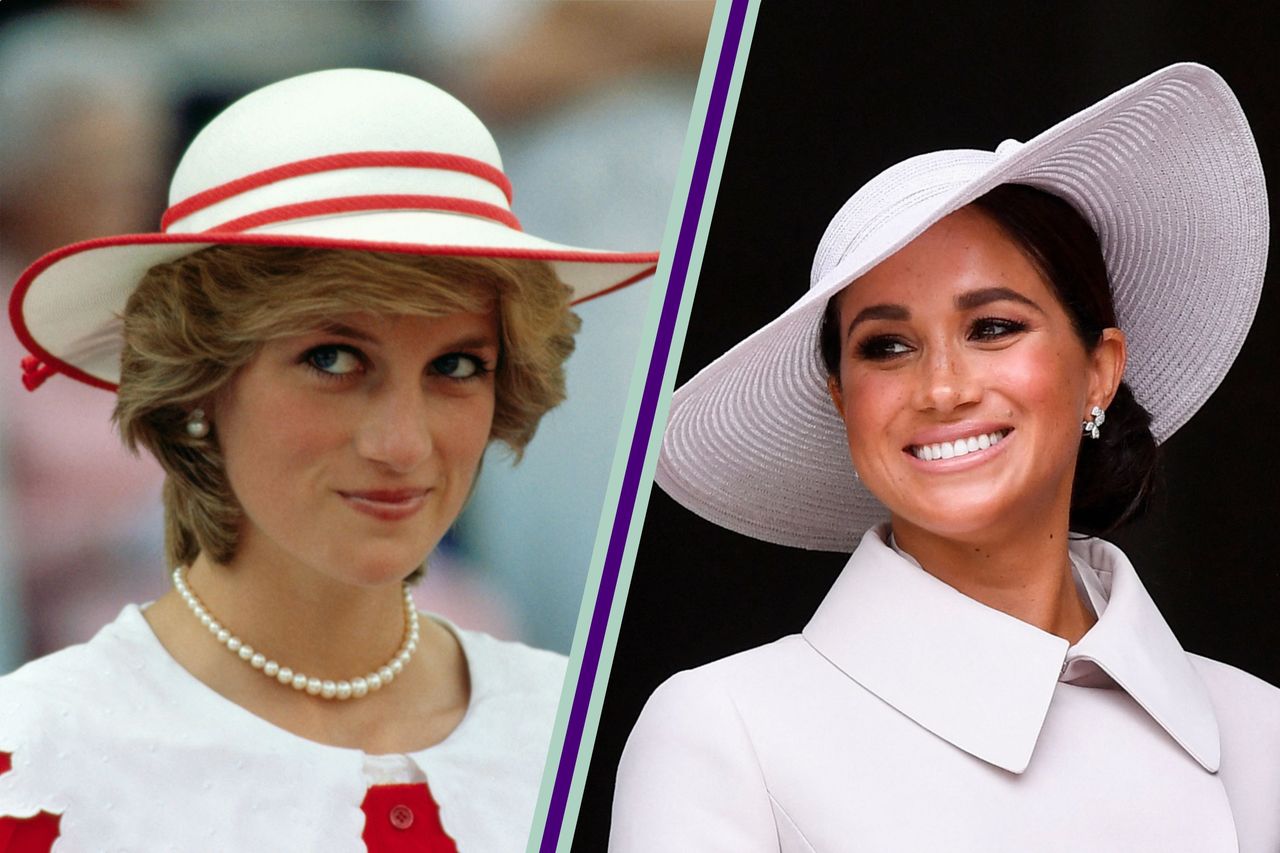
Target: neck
[[328, 630], [312, 624], [1026, 574]]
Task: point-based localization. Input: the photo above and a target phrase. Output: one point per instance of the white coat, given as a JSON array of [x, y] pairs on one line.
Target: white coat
[[909, 717]]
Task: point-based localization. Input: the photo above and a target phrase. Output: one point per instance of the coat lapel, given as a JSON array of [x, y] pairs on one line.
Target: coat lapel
[[982, 680]]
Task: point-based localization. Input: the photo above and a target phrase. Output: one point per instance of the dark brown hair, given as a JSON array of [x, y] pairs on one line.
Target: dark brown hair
[[1117, 474]]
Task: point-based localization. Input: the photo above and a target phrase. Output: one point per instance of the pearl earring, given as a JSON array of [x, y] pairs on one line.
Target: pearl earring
[[1091, 428], [197, 426]]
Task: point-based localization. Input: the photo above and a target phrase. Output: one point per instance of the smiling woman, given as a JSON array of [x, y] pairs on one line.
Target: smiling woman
[[970, 393], [339, 316], [295, 355]]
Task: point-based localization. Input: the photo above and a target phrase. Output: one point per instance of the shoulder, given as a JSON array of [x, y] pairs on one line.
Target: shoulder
[[1247, 707], [511, 668], [515, 693], [1237, 693], [488, 771], [67, 679], [54, 711], [690, 774], [736, 685], [1248, 714], [753, 682]]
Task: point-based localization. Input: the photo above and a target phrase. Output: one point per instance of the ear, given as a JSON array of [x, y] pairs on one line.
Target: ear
[[837, 395], [1107, 367]]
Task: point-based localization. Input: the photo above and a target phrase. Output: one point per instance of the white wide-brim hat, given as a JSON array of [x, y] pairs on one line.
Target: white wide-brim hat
[[1167, 173], [343, 159]]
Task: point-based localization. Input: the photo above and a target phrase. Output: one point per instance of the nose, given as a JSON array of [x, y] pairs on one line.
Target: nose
[[395, 430], [946, 381]]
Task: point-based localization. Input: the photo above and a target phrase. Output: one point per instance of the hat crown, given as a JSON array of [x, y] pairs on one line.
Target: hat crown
[[323, 113], [337, 142], [893, 208]]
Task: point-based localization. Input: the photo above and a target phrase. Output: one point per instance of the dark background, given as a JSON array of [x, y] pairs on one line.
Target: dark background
[[832, 95]]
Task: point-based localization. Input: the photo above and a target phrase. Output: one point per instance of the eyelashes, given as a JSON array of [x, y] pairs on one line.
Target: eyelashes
[[339, 361], [460, 366], [994, 328], [981, 330], [882, 348], [334, 361]]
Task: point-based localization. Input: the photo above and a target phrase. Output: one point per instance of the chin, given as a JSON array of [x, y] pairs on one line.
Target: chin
[[954, 529], [965, 516], [376, 567]]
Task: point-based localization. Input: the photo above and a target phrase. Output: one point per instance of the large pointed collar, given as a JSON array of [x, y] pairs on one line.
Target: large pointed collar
[[983, 680]]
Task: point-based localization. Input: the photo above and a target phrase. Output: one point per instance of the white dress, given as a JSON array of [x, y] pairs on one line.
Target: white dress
[[135, 753], [908, 717]]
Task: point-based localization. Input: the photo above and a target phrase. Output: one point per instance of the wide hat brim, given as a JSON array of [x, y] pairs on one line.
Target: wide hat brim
[[66, 307], [1167, 173]]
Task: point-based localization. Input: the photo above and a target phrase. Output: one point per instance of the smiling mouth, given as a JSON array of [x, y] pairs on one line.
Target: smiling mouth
[[959, 447], [388, 504]]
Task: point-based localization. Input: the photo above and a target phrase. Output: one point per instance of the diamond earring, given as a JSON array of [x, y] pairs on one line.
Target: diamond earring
[[197, 426], [1091, 428]]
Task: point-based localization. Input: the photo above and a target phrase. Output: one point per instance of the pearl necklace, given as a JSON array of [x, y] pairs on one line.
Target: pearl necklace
[[353, 689]]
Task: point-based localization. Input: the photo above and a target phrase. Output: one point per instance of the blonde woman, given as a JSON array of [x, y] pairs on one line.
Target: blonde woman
[[971, 392], [340, 315]]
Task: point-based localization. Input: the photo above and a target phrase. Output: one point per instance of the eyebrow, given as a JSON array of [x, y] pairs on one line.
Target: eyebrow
[[474, 342], [471, 342], [964, 302], [879, 312], [343, 330], [983, 296]]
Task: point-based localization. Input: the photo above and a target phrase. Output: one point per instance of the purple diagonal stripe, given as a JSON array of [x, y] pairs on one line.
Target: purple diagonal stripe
[[644, 424]]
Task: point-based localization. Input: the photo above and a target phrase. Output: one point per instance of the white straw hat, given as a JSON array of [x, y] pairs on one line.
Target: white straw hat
[[1167, 173], [347, 159]]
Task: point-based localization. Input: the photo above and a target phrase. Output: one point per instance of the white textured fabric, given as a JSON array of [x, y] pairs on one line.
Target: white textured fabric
[[136, 754], [908, 717], [1167, 173], [67, 303]]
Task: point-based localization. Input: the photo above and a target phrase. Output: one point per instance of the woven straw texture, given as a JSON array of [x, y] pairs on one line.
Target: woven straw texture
[[1167, 173]]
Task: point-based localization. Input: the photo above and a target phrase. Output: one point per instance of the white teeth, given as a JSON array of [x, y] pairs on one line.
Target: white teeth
[[959, 447]]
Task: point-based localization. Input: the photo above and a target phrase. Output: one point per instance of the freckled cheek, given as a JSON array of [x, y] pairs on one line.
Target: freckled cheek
[[1044, 381]]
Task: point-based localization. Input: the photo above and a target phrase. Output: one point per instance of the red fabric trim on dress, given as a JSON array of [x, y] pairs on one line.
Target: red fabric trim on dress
[[347, 204], [331, 162], [34, 834], [403, 818]]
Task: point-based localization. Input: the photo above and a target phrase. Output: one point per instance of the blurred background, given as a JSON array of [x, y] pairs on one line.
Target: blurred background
[[589, 103], [832, 95]]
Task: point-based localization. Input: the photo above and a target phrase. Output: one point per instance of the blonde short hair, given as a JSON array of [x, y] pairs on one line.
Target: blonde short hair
[[194, 322]]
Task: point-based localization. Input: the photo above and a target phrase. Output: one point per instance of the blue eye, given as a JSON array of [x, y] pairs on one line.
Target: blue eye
[[458, 365], [333, 360]]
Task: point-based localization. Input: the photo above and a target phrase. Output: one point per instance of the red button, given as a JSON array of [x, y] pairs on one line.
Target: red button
[[401, 817]]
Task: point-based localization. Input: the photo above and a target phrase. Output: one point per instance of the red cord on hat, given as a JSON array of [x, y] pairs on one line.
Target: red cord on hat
[[333, 162], [35, 372]]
